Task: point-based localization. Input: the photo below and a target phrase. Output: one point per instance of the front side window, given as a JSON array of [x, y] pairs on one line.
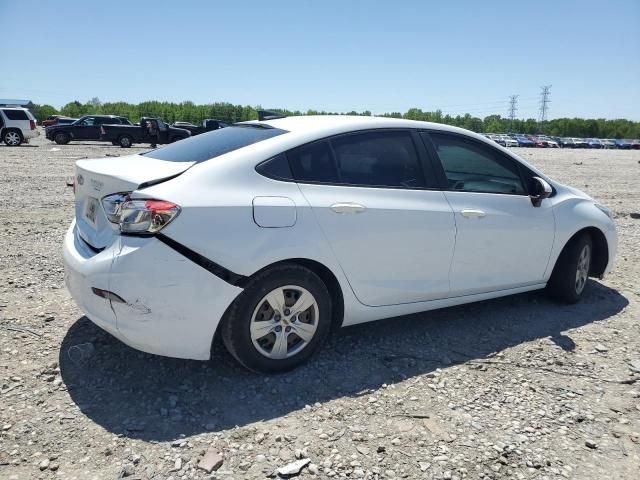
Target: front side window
[[472, 167], [215, 143], [378, 159], [88, 122]]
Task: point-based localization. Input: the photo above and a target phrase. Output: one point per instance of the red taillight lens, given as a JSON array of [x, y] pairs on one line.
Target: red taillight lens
[[146, 216], [33, 124]]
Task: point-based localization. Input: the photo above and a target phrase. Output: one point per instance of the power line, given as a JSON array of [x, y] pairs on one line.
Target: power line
[[544, 104], [513, 107]]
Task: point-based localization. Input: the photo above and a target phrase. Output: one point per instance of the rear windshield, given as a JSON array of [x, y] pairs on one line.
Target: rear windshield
[[213, 144]]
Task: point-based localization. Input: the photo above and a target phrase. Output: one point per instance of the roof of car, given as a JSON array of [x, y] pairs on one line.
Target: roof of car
[[332, 124]]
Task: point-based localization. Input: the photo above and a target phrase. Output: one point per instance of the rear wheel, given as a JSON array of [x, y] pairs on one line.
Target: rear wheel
[[125, 141], [62, 138], [571, 273], [12, 138], [279, 320]]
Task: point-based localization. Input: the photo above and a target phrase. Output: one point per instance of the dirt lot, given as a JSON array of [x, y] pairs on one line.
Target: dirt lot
[[518, 387]]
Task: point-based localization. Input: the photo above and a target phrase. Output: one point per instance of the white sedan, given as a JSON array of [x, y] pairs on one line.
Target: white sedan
[[271, 232]]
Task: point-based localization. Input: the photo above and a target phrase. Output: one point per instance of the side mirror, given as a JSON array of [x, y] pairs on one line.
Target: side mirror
[[541, 190]]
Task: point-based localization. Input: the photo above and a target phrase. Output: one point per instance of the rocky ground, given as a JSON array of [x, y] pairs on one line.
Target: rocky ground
[[518, 387]]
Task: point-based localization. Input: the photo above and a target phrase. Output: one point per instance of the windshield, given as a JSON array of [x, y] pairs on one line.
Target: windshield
[[213, 144]]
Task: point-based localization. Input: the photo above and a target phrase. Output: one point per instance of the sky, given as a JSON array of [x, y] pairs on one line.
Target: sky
[[459, 56]]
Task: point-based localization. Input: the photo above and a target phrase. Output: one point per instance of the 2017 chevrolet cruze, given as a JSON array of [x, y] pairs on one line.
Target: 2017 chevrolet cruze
[[270, 232]]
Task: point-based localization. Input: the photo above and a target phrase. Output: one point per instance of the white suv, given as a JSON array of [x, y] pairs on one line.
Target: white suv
[[17, 125]]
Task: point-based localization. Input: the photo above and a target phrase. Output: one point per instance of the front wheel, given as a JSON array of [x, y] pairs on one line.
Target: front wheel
[[61, 138], [571, 273], [12, 138], [279, 320]]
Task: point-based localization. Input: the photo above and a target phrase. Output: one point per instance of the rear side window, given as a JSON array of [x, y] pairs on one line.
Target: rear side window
[[215, 143], [472, 167], [16, 114], [313, 163], [378, 159]]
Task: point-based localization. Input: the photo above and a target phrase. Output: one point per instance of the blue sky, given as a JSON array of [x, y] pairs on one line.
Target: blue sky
[[459, 55]]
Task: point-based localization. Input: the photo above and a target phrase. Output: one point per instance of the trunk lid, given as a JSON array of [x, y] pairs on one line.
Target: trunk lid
[[95, 179]]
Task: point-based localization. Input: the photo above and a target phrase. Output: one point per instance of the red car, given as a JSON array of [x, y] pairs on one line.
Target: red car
[[51, 120], [538, 142]]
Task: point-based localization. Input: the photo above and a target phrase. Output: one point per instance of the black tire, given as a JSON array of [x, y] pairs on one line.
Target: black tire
[[125, 141], [235, 328], [564, 284], [12, 137], [61, 138]]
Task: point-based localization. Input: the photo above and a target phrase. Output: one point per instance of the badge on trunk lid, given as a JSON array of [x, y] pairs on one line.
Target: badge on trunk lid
[[91, 209]]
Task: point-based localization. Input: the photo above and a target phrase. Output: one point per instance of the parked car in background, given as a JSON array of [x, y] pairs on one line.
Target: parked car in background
[[523, 141], [17, 126], [150, 130], [579, 143], [608, 143], [207, 125], [495, 138], [50, 120], [550, 142], [85, 128], [635, 144], [269, 233], [593, 143], [565, 142], [508, 141], [537, 142], [65, 120]]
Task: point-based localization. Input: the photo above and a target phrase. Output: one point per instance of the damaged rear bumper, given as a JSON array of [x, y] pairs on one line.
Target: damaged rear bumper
[[157, 300]]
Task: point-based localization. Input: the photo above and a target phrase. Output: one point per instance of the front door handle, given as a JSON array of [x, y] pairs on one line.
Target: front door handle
[[472, 213], [348, 207]]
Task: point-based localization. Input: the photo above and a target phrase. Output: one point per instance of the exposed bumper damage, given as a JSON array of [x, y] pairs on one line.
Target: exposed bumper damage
[[162, 303]]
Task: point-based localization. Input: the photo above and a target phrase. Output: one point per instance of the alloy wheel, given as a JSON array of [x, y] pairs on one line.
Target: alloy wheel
[[582, 271], [12, 138], [284, 322]]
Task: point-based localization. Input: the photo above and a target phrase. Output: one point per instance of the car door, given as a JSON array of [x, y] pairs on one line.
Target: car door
[[376, 200], [84, 129], [502, 240]]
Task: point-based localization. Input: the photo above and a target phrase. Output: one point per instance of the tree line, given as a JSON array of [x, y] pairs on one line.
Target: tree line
[[227, 112]]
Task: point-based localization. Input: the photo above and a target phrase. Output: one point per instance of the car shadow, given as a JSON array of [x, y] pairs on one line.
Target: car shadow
[[155, 398]]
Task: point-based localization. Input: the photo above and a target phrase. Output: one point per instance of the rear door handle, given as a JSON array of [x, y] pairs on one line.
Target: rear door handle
[[472, 213], [348, 207]]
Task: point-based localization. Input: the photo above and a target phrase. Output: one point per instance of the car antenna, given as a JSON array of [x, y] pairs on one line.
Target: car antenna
[[268, 115]]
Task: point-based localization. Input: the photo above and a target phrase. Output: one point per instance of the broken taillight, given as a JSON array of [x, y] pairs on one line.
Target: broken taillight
[[146, 216], [139, 216]]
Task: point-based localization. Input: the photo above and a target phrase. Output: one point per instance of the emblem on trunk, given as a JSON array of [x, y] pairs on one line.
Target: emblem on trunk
[[80, 179], [97, 186]]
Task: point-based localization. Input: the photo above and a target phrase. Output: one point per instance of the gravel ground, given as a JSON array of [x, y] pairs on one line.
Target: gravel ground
[[517, 387]]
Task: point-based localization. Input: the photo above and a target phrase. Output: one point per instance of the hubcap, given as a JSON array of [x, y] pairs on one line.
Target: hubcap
[[284, 322], [582, 272], [13, 138]]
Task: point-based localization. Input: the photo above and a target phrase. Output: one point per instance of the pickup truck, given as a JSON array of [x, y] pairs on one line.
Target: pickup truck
[[84, 128], [207, 125], [149, 130]]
